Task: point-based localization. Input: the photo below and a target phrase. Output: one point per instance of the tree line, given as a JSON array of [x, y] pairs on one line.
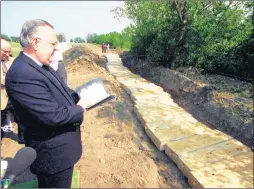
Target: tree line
[[115, 39], [11, 38], [214, 36], [60, 37]]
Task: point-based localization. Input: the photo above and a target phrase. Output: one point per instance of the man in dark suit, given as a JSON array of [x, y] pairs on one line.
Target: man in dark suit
[[50, 111]]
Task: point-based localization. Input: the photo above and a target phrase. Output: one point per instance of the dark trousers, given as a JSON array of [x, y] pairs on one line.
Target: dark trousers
[[2, 134], [3, 121], [21, 134], [4, 114], [61, 179]]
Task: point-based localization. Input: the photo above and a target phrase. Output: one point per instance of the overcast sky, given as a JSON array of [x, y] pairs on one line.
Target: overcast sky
[[73, 18]]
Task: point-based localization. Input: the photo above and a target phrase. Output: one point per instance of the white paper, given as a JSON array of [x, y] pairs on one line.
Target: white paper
[[93, 91]]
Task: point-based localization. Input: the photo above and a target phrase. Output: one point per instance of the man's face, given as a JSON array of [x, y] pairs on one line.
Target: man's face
[[45, 44], [5, 52]]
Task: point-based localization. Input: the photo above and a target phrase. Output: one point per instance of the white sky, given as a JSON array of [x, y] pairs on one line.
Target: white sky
[[73, 18]]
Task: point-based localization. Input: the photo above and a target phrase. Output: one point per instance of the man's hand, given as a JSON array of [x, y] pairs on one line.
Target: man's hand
[[83, 102], [85, 99]]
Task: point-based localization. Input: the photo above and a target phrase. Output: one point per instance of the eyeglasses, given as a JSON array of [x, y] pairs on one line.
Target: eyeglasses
[[53, 45]]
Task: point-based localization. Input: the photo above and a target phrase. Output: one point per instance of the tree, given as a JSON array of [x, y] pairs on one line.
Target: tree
[[189, 33], [14, 39], [6, 37], [90, 38], [115, 39], [79, 40], [61, 37]]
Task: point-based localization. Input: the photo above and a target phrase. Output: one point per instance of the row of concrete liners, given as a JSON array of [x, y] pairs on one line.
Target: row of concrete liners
[[207, 157]]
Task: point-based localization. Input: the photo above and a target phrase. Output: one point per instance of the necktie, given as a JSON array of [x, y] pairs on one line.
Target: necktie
[[52, 76], [61, 86]]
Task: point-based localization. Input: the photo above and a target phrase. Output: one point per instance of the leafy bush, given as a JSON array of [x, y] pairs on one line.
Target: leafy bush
[[215, 36], [115, 39], [6, 37]]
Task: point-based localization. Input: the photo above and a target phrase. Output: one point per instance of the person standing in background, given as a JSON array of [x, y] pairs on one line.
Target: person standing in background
[[6, 106], [58, 64], [6, 125], [108, 47], [102, 48]]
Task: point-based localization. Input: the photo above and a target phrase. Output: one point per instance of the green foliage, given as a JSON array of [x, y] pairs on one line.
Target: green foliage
[[11, 39], [79, 40], [14, 39], [16, 48], [115, 39], [213, 33], [215, 36], [61, 37], [90, 38], [6, 37]]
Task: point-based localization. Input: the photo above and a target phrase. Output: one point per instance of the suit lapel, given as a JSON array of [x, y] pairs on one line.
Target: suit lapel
[[45, 72]]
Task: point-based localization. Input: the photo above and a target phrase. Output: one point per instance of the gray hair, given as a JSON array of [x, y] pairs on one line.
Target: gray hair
[[29, 28]]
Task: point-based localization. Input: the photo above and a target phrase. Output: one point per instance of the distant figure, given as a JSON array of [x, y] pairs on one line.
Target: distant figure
[[58, 64], [105, 47], [102, 48], [108, 46]]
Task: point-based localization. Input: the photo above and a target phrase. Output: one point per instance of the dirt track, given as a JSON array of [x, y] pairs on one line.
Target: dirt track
[[116, 151]]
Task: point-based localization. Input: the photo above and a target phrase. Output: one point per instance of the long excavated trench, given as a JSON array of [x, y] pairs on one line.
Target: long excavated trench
[[207, 157]]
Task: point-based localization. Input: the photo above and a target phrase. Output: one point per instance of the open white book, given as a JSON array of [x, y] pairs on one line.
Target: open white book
[[95, 92]]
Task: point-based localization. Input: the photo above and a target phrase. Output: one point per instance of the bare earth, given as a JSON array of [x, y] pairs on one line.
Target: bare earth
[[116, 151]]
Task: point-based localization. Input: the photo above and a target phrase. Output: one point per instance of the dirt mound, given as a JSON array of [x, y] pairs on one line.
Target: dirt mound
[[72, 54]]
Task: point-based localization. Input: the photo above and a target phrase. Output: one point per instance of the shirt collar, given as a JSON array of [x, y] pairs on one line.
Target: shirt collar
[[37, 61]]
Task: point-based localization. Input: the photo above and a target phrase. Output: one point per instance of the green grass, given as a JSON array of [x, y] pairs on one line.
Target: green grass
[[28, 184], [75, 179], [16, 48]]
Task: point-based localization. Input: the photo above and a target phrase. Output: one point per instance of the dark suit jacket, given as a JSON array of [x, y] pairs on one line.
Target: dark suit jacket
[[49, 113]]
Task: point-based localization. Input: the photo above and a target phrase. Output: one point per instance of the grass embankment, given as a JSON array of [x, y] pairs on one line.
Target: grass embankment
[[16, 48]]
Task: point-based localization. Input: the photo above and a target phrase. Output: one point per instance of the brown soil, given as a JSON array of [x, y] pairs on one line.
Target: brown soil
[[116, 151]]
